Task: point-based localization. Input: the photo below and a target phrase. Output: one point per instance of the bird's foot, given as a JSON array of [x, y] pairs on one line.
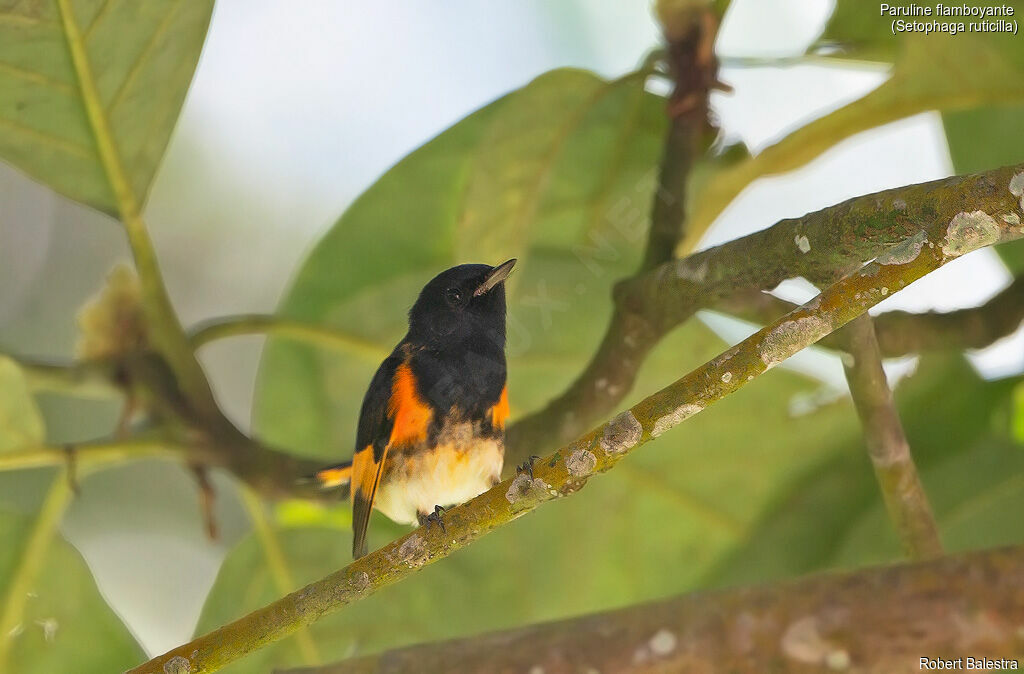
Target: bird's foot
[[433, 518], [527, 466]]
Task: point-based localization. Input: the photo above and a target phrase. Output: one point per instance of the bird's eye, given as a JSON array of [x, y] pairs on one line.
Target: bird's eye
[[453, 296]]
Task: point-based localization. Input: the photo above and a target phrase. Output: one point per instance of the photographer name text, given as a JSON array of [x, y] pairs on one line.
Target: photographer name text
[[947, 664]]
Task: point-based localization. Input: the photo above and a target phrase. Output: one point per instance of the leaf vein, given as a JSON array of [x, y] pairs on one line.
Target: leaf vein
[[70, 147], [36, 78], [144, 55]]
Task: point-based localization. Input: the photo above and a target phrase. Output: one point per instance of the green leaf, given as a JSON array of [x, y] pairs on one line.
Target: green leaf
[[565, 188], [832, 516], [21, 424], [52, 617], [933, 72], [90, 90]]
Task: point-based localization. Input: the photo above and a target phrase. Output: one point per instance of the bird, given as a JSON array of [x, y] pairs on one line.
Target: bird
[[432, 424]]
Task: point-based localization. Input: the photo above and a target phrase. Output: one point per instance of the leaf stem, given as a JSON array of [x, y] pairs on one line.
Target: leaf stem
[[307, 333], [164, 328], [94, 454], [279, 571], [30, 564]]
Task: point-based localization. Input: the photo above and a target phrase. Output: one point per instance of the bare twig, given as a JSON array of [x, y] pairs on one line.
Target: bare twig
[[88, 380], [319, 335], [690, 31], [879, 620], [207, 500], [95, 454], [904, 496], [568, 470]]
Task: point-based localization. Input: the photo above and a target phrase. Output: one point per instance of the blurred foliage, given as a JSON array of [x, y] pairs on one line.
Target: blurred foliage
[[21, 424], [141, 57], [559, 173], [832, 516], [52, 617]]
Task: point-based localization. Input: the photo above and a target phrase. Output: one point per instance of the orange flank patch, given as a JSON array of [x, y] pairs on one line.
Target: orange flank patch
[[499, 413], [333, 477], [411, 415]]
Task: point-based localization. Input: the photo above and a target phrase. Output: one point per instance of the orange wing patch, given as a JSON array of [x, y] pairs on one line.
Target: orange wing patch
[[499, 413], [411, 415], [364, 473], [365, 479]]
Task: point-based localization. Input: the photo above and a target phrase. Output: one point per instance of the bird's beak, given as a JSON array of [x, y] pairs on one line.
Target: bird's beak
[[494, 277]]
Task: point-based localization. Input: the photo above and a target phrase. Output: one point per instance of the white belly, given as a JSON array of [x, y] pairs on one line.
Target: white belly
[[446, 475]]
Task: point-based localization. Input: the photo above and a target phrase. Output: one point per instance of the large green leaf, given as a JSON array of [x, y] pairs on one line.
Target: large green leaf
[[833, 515], [90, 90], [52, 617], [930, 72], [575, 183], [21, 424]]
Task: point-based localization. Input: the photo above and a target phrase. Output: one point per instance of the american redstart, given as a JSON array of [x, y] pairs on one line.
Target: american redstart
[[432, 425]]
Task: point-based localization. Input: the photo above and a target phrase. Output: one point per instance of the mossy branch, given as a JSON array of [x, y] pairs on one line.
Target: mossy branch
[[904, 496], [903, 333], [975, 222], [882, 619], [816, 246]]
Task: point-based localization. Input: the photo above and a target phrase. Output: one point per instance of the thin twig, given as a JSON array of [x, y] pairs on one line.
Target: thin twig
[[318, 335], [568, 470], [902, 333], [96, 454], [887, 445], [88, 380]]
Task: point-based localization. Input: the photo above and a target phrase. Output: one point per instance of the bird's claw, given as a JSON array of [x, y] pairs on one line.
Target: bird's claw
[[433, 518], [527, 466]]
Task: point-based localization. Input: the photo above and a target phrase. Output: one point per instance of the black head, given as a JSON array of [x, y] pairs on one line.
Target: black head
[[462, 303]]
